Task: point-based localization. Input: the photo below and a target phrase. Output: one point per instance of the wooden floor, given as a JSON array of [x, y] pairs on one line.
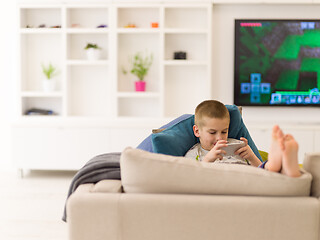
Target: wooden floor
[[31, 207]]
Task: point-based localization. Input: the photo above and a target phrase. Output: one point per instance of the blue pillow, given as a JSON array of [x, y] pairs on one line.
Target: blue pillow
[[146, 144], [179, 138]]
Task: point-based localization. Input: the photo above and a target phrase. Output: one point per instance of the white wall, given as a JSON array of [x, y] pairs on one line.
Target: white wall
[[223, 58], [7, 79]]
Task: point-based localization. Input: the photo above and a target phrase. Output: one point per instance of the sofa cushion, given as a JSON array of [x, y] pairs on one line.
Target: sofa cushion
[[179, 138], [175, 140], [108, 186], [145, 172]]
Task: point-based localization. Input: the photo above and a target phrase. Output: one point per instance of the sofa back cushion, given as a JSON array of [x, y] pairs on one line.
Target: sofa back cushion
[[145, 172]]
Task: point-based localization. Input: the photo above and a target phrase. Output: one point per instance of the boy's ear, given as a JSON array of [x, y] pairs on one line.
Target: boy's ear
[[196, 131]]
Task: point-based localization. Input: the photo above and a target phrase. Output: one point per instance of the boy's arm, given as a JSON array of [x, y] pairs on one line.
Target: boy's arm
[[254, 160], [245, 133], [247, 153]]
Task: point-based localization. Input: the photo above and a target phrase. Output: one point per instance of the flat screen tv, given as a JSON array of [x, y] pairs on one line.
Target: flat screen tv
[[277, 62]]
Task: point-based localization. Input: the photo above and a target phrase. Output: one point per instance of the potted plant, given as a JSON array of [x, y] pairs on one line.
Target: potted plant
[[140, 66], [49, 82], [93, 51]]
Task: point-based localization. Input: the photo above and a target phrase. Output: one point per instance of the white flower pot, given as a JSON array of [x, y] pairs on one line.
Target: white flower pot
[[93, 54], [49, 85]]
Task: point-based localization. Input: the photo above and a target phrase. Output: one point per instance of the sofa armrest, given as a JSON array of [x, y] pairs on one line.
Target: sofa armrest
[[311, 164], [93, 215], [107, 186]]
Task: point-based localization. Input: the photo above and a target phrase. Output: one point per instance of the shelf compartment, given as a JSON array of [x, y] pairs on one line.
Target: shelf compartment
[[128, 45], [186, 30], [88, 95], [34, 17], [40, 31], [195, 45], [38, 49], [138, 94], [184, 63], [137, 30], [138, 107], [141, 17], [76, 43], [186, 18], [87, 17], [41, 94], [88, 63], [48, 103], [88, 30], [194, 81]]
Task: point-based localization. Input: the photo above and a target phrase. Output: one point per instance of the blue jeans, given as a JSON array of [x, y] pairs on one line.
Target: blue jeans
[[262, 164]]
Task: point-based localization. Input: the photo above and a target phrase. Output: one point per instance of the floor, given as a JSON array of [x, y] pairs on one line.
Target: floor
[[31, 207]]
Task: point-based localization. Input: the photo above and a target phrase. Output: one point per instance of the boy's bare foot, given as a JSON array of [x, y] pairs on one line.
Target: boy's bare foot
[[290, 165], [275, 154]]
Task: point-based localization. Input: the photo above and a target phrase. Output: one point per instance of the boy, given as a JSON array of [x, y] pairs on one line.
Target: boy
[[211, 127]]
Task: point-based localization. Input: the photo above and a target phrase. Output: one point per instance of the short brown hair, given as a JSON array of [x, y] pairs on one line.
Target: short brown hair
[[211, 109]]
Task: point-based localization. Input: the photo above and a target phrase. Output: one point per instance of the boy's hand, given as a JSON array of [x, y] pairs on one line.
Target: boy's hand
[[216, 152], [246, 151]]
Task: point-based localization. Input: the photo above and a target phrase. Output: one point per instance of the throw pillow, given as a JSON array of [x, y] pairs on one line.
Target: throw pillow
[[146, 144]]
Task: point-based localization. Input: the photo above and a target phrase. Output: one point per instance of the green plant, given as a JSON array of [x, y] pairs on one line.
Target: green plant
[[141, 64], [92, 45], [49, 71]]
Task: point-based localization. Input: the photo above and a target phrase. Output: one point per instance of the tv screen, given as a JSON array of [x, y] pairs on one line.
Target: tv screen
[[277, 62]]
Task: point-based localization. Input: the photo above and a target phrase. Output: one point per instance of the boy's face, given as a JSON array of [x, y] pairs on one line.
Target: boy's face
[[212, 130]]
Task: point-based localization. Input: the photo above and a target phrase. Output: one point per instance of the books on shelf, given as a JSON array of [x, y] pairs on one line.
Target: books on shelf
[[38, 111]]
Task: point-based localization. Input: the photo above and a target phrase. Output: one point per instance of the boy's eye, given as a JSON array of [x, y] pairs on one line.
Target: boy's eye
[[212, 132], [224, 132]]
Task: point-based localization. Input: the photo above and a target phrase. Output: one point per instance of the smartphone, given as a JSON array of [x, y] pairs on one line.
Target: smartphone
[[232, 147]]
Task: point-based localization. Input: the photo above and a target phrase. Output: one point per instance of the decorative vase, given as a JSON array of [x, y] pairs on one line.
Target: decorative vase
[[140, 86], [48, 85], [93, 54], [154, 24]]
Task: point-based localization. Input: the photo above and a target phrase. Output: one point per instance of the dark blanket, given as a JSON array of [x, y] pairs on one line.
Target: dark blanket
[[104, 166]]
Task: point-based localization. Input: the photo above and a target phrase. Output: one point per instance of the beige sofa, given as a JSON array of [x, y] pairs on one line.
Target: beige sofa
[[171, 198]]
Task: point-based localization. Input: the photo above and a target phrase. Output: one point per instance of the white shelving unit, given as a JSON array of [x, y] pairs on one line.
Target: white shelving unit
[[84, 84], [99, 91]]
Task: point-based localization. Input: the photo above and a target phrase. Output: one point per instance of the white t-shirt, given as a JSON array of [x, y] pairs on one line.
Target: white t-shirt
[[197, 152]]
